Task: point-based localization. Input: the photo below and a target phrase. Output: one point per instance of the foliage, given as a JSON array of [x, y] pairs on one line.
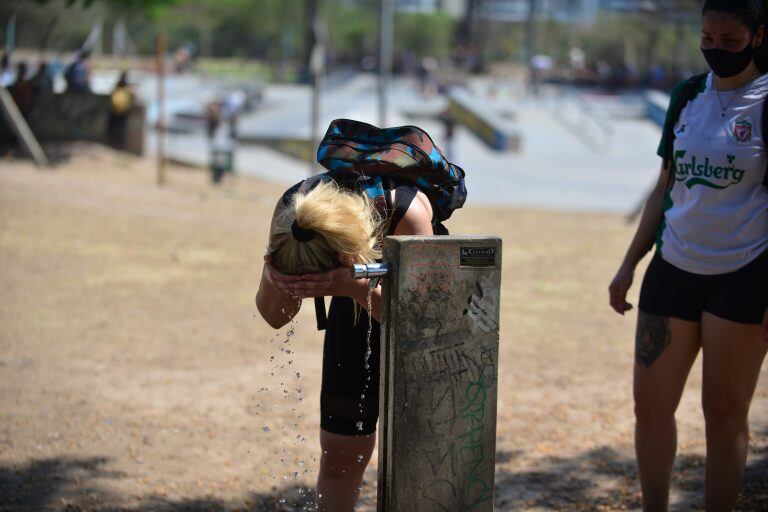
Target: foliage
[[275, 31], [424, 34], [146, 6]]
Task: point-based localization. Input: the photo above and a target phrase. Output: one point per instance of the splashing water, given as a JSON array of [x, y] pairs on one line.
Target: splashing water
[[370, 324], [369, 309]]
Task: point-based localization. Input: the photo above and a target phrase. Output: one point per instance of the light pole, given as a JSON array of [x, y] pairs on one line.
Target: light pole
[[160, 63], [385, 57], [316, 65]]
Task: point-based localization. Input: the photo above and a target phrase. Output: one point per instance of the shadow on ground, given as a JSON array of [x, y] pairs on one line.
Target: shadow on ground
[[66, 484], [604, 479], [601, 479]]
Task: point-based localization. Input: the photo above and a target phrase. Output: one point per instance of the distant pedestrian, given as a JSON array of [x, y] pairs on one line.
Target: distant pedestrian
[[21, 90], [120, 103], [449, 128], [78, 73], [6, 77], [41, 83], [212, 118]]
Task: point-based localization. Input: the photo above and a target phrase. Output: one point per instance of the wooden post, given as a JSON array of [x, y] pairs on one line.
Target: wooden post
[[160, 108], [439, 373]]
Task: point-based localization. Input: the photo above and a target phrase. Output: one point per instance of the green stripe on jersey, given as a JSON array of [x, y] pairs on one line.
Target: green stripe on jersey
[[674, 97]]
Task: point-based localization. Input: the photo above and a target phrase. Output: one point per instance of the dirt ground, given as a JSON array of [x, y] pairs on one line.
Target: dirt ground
[[136, 374]]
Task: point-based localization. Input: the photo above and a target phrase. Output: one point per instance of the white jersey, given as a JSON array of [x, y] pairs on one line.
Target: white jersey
[[716, 214]]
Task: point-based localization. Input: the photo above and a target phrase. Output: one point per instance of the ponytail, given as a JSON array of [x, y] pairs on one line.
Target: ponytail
[[309, 235]]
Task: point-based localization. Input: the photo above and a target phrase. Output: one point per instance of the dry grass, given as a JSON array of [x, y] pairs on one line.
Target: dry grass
[[136, 375]]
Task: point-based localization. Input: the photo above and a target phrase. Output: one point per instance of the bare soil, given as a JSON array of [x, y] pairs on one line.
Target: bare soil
[[136, 374]]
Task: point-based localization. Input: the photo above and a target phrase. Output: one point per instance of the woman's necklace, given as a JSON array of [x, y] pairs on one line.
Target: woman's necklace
[[724, 106]]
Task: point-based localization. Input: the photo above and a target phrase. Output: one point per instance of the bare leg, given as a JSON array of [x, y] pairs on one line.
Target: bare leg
[[733, 355], [342, 465], [665, 350]]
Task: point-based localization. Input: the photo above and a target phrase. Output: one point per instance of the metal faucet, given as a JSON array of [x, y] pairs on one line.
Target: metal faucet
[[372, 271]]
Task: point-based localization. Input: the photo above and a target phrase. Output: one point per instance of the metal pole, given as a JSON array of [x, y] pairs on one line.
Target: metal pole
[[160, 61], [10, 35], [531, 42], [386, 35], [316, 66]]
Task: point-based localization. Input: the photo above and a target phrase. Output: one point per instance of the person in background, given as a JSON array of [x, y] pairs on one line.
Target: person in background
[[41, 82], [21, 90], [6, 77], [120, 103], [449, 132], [212, 118], [706, 288], [78, 73]]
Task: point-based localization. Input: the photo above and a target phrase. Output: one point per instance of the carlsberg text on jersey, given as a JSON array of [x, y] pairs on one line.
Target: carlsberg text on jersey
[[697, 172]]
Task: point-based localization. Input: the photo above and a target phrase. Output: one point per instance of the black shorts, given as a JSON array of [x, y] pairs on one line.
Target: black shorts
[[740, 296], [349, 398]]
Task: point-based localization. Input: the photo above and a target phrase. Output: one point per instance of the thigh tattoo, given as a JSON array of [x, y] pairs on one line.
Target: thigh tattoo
[[652, 338]]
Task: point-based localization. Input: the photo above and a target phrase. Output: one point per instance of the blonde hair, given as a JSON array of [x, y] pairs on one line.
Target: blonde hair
[[343, 223]]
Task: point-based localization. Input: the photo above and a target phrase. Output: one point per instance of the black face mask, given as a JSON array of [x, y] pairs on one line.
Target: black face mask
[[726, 64]]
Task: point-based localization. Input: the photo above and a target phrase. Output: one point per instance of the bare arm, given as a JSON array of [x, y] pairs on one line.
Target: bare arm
[[641, 243], [274, 299], [649, 222], [339, 282]]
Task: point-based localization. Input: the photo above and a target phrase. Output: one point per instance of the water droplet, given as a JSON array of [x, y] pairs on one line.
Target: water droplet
[[266, 429], [359, 426], [290, 362], [298, 375], [362, 397], [359, 458]]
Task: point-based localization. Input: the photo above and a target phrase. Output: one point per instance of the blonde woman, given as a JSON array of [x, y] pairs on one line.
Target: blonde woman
[[318, 231]]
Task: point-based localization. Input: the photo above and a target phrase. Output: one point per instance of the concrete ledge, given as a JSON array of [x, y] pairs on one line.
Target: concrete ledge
[[78, 116], [657, 103]]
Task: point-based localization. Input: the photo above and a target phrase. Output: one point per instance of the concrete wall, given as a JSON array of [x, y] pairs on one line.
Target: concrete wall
[[78, 116]]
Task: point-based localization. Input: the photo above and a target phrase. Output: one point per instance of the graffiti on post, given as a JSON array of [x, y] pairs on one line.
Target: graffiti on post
[[481, 305]]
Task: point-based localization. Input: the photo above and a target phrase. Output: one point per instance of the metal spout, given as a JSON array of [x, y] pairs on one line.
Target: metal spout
[[370, 270]]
